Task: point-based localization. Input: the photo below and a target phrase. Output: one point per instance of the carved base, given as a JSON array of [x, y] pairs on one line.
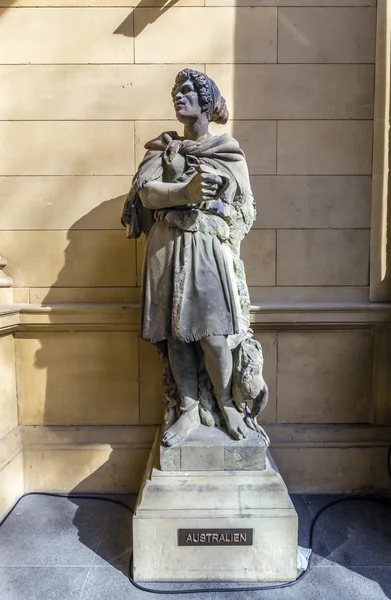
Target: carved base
[[211, 449], [214, 526]]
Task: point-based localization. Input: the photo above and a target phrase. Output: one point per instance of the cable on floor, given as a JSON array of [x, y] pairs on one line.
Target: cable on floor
[[385, 501]]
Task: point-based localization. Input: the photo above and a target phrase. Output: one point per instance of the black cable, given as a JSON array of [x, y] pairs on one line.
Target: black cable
[[257, 588], [389, 461], [385, 501], [69, 497]]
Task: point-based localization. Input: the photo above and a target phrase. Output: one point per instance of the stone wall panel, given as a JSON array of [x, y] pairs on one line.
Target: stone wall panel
[[67, 148], [327, 35], [322, 257], [66, 35], [8, 408], [324, 147], [66, 259], [282, 91], [216, 33], [324, 377], [83, 378]]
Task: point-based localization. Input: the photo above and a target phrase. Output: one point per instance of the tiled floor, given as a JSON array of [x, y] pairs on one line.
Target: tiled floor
[[60, 549]]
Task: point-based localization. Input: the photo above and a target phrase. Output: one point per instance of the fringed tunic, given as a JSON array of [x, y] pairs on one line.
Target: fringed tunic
[[192, 276]]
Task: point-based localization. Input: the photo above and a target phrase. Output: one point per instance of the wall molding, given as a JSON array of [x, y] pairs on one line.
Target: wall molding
[[34, 317], [314, 459]]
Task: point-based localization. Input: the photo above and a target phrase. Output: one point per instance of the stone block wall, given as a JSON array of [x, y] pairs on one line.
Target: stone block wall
[[11, 459], [84, 85]]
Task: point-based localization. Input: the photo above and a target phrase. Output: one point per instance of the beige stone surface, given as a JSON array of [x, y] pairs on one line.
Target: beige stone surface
[[210, 449], [66, 35], [67, 259], [66, 148], [322, 257], [105, 3], [151, 386], [324, 147], [90, 92], [11, 483], [327, 35], [275, 2], [216, 35], [169, 501], [21, 295], [380, 284], [6, 296], [284, 293], [52, 202], [382, 378], [83, 294], [282, 91], [80, 451], [324, 377], [333, 470], [31, 3], [83, 378], [290, 202], [84, 469], [8, 408], [258, 253]]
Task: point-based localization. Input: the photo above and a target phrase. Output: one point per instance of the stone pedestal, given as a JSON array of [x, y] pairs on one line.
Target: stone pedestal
[[234, 525], [211, 449]]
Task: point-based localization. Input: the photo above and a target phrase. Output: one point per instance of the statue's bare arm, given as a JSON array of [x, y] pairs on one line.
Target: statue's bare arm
[[200, 188]]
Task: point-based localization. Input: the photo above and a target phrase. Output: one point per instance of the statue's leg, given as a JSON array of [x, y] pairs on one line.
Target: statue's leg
[[219, 364], [184, 366]]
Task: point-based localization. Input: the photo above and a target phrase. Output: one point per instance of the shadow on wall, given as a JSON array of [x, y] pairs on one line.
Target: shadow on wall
[[132, 28], [80, 397]]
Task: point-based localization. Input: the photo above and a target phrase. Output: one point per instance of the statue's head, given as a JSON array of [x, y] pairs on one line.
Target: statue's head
[[195, 93]]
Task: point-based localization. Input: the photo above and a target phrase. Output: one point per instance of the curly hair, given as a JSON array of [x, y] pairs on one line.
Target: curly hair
[[211, 100]]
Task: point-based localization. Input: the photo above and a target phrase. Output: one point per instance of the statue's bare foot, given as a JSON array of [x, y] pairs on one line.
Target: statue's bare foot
[[234, 422], [186, 423], [253, 424]]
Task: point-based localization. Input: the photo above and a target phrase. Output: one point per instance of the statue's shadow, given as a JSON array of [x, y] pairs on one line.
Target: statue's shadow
[[102, 527]]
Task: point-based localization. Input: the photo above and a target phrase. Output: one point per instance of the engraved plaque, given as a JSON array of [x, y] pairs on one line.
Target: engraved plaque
[[215, 537]]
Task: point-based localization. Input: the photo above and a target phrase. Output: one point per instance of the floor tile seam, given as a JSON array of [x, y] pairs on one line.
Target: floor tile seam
[[24, 566], [108, 520], [350, 567], [85, 581]]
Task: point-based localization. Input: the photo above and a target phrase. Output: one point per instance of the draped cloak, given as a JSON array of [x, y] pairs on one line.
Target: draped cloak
[[193, 279]]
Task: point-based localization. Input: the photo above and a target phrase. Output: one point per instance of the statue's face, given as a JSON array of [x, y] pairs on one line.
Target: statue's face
[[186, 103]]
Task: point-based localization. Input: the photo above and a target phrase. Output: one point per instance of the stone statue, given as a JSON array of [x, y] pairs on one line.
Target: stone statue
[[192, 198]]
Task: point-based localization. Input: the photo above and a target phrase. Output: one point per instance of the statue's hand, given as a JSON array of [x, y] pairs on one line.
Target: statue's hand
[[203, 187]]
